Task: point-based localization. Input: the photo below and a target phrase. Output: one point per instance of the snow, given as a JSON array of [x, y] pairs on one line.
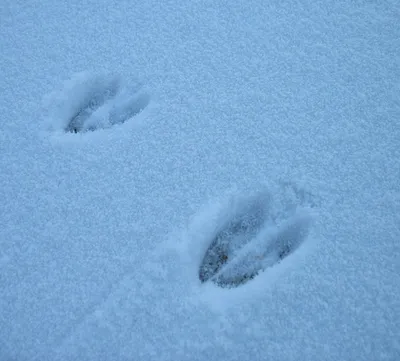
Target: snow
[[103, 231], [90, 102]]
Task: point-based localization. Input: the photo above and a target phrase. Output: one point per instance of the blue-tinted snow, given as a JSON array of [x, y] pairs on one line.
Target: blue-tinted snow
[[102, 232]]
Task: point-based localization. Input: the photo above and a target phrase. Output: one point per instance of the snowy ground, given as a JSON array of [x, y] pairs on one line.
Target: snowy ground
[[191, 109]]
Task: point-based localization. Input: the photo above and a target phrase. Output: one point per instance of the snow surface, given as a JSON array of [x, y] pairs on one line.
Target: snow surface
[[102, 232]]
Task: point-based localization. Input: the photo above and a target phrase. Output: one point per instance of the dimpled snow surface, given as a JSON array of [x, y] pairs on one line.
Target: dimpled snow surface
[[199, 180]]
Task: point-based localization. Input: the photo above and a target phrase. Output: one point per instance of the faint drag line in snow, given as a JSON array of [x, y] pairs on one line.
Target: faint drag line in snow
[[91, 312]]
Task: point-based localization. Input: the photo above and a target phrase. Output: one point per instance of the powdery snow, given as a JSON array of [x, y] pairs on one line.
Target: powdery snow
[[183, 112]]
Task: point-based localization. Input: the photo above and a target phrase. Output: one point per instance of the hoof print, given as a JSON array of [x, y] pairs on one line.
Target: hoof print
[[235, 234], [250, 243], [89, 102]]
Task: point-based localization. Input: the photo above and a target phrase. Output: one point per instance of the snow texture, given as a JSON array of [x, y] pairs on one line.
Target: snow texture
[[134, 134]]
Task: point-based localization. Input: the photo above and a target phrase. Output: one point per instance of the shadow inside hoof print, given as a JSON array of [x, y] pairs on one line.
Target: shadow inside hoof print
[[250, 243], [102, 101]]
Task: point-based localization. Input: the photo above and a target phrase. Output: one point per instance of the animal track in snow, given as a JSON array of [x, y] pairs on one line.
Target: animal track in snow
[[89, 102], [250, 242], [238, 231]]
